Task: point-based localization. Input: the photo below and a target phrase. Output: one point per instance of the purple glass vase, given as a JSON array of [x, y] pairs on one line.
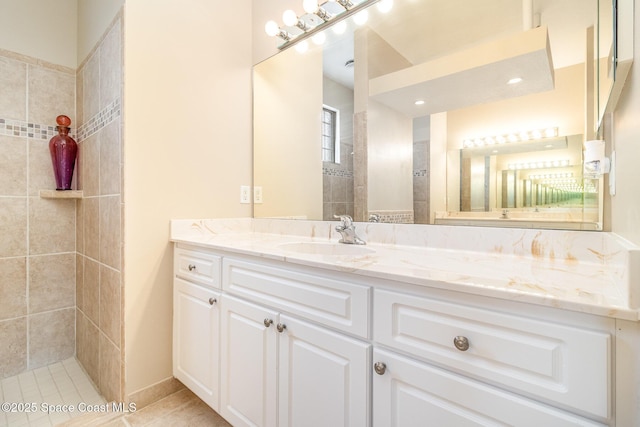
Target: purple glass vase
[[63, 154]]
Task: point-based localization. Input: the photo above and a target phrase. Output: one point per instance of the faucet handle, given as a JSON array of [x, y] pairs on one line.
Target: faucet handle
[[346, 220]]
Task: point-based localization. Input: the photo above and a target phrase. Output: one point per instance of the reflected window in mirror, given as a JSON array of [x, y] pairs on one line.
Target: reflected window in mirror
[[330, 134]]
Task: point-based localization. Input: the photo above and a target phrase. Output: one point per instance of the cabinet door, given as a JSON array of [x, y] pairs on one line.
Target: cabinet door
[[196, 330], [248, 364], [323, 377], [408, 393]]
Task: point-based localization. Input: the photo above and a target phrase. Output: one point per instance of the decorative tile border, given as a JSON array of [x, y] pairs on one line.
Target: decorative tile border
[[100, 120], [419, 172], [337, 172], [395, 217], [22, 129]]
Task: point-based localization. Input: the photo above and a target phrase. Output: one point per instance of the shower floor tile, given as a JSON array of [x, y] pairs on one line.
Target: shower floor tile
[[38, 397]]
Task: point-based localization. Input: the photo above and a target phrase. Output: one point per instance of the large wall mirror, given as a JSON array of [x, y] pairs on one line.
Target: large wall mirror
[[470, 112]]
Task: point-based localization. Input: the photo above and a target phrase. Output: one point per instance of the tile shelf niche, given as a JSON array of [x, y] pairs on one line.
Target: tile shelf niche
[[62, 194]]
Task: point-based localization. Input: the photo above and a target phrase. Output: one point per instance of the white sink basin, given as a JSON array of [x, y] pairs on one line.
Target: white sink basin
[[321, 248]]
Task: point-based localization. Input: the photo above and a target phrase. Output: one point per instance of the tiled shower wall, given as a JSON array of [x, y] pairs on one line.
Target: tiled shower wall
[[37, 236], [99, 226], [61, 259]]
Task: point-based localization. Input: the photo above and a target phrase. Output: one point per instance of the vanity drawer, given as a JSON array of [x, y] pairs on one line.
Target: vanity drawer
[[335, 303], [196, 266], [563, 365]]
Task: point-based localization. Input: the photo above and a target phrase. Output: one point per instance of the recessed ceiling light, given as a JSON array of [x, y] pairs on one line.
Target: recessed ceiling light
[[514, 80], [419, 102]]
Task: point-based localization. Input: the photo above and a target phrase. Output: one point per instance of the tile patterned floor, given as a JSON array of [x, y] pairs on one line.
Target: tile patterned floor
[[63, 383], [66, 383], [181, 409]]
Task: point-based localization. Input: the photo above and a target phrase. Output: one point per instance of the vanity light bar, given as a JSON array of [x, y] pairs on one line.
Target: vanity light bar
[[540, 165], [552, 176], [529, 135], [317, 17]]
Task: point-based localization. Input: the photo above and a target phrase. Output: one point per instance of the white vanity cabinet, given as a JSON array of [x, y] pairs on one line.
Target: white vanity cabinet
[[196, 323], [301, 346], [289, 357], [281, 371], [486, 367]]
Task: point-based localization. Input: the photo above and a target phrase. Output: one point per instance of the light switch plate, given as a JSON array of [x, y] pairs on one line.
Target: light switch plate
[[245, 194], [257, 194]]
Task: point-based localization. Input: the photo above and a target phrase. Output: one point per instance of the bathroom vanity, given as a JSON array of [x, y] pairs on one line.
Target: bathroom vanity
[[277, 324]]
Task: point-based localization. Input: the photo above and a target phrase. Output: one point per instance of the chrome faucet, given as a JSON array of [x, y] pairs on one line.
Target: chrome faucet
[[348, 231], [505, 214], [374, 217]]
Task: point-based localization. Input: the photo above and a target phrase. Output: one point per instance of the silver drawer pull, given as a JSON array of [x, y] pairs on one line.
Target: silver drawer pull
[[281, 327], [380, 368], [212, 300], [267, 322], [192, 267], [461, 343]]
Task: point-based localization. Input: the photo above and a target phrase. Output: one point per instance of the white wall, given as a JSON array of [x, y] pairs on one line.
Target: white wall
[[42, 29], [287, 131], [187, 133], [94, 16], [390, 159]]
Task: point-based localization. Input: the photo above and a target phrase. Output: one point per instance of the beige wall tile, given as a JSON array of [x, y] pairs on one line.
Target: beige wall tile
[[80, 226], [91, 290], [110, 155], [51, 93], [90, 165], [111, 66], [91, 232], [79, 97], [41, 175], [13, 288], [88, 346], [13, 226], [109, 384], [80, 281], [110, 228], [13, 86], [110, 304], [52, 226], [13, 165], [91, 87], [51, 337], [13, 351], [52, 282]]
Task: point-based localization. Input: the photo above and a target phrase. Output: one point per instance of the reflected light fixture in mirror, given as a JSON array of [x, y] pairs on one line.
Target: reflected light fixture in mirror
[[511, 137], [317, 17]]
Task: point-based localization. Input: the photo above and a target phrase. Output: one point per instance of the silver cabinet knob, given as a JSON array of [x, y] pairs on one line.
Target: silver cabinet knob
[[380, 368], [267, 322], [212, 300], [192, 267], [461, 343], [281, 327]]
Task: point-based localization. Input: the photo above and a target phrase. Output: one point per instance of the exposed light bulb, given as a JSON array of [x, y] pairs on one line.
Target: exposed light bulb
[[340, 27], [361, 17], [514, 80], [271, 28], [289, 18], [419, 102], [310, 6], [319, 38], [385, 6]]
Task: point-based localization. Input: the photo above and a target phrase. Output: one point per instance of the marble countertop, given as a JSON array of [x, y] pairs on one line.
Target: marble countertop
[[580, 271]]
